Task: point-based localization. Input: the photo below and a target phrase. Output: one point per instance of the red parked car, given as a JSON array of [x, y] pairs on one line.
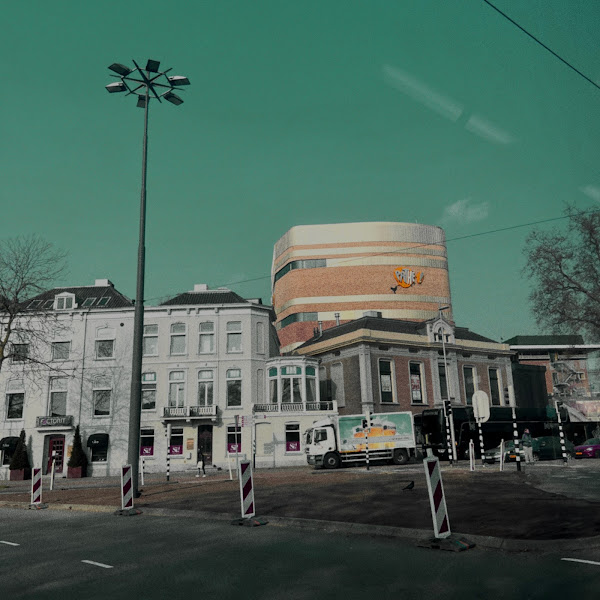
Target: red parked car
[[589, 449]]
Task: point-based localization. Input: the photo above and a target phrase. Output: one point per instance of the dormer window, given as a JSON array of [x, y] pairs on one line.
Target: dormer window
[[64, 302], [88, 301], [103, 301]]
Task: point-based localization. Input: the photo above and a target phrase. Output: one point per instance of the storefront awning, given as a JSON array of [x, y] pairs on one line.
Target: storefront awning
[[9, 443], [98, 440]]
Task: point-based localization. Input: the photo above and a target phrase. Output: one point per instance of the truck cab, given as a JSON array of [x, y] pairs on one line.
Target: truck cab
[[321, 442]]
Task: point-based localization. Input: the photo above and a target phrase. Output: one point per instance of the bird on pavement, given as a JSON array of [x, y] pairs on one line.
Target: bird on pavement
[[410, 486]]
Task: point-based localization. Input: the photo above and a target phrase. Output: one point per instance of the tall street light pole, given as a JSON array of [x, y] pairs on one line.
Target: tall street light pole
[[448, 413], [145, 84]]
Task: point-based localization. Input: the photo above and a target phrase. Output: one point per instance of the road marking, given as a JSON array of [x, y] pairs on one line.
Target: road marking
[[97, 564], [8, 543], [587, 562]]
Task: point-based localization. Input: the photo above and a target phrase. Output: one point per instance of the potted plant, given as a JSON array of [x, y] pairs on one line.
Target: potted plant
[[19, 467], [77, 465]]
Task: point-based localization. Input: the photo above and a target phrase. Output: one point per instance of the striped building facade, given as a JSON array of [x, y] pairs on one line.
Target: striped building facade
[[334, 273]]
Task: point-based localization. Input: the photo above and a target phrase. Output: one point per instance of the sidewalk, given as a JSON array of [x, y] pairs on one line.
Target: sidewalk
[[488, 503]]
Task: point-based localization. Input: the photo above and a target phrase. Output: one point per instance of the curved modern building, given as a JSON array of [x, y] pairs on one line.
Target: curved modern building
[[335, 273]]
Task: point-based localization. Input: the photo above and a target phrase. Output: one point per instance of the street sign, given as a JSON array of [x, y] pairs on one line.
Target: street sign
[[481, 406]]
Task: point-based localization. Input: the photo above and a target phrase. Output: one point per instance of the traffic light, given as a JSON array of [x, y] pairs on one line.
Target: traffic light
[[365, 423], [448, 407]]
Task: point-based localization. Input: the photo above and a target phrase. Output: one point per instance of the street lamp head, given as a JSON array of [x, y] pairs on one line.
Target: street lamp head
[[120, 69], [118, 86], [141, 102], [179, 80], [152, 66], [172, 98]]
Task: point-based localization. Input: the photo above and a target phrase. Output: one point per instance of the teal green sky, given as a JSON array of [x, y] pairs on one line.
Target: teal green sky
[[299, 112]]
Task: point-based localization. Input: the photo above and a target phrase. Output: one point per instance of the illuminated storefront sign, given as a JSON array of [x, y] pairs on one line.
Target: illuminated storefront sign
[[407, 277]]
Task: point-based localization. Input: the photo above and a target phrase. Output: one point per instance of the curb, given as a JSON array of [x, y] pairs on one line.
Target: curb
[[414, 535]]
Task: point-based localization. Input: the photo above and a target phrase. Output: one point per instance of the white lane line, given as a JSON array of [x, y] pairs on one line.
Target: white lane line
[[9, 543], [587, 562], [97, 564]]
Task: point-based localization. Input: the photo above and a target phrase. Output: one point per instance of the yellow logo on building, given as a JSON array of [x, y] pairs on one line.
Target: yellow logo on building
[[407, 277]]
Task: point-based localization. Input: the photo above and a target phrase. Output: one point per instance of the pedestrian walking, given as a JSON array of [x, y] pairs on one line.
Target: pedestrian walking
[[200, 464], [527, 446]]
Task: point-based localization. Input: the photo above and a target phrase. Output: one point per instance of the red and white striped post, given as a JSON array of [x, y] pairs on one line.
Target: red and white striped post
[[439, 512], [126, 489], [36, 486], [246, 489]]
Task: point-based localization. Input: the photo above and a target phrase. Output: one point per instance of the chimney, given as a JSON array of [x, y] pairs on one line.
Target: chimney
[[200, 287], [337, 318], [320, 327], [103, 283]]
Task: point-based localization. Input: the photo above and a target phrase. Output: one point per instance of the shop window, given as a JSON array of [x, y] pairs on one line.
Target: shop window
[[292, 437], [386, 381], [147, 442], [148, 391], [58, 396], [205, 388], [234, 439], [234, 387], [206, 344], [178, 334], [234, 336], [150, 341], [176, 445], [176, 389], [61, 350], [98, 444], [417, 395]]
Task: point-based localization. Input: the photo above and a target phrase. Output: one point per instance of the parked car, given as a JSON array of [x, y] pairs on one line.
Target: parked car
[[589, 449], [544, 448]]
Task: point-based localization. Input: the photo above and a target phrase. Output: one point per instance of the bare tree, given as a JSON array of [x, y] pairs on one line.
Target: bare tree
[[29, 266], [565, 270]]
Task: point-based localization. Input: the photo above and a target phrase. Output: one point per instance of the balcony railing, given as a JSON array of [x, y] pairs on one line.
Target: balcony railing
[[190, 412], [64, 421], [296, 407]]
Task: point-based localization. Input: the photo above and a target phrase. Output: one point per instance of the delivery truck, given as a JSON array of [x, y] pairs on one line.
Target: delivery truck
[[343, 439]]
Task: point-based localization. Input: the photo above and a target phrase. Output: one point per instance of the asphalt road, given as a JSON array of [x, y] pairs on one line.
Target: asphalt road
[[167, 557]]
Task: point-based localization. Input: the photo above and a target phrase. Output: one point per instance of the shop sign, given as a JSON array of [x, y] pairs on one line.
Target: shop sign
[[189, 443], [407, 277], [53, 421], [175, 450]]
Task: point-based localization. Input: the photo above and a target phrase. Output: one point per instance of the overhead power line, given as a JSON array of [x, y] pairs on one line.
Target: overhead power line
[[543, 45]]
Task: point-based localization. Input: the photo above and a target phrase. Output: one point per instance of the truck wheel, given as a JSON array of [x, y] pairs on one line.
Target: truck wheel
[[331, 461], [400, 456]]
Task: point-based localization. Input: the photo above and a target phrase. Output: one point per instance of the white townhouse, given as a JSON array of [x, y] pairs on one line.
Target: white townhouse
[[209, 356], [75, 371]]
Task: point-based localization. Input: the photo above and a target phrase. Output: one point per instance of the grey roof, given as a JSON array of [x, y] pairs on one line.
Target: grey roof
[[82, 293], [206, 297], [545, 340], [392, 326]]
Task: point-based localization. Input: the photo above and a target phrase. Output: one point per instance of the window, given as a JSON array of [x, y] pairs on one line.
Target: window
[[273, 389], [103, 301], [386, 381], [205, 388], [60, 350], [260, 338], [337, 384], [147, 442], [99, 453], [310, 263], [234, 387], [206, 344], [292, 437], [15, 399], [88, 302], [177, 339], [148, 391], [35, 304], [469, 377], [294, 318], [443, 382], [64, 302], [176, 389], [20, 352], [234, 336], [320, 435], [324, 385], [176, 442], [494, 387], [58, 397], [101, 392], [416, 383], [234, 439], [150, 343], [291, 384], [48, 304], [105, 349], [311, 384]]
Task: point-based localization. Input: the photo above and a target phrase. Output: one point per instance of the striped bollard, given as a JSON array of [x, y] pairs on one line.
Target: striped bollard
[[246, 489], [142, 471], [516, 438], [439, 512], [36, 486], [563, 447], [481, 442], [52, 474], [502, 451], [126, 489], [471, 455]]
